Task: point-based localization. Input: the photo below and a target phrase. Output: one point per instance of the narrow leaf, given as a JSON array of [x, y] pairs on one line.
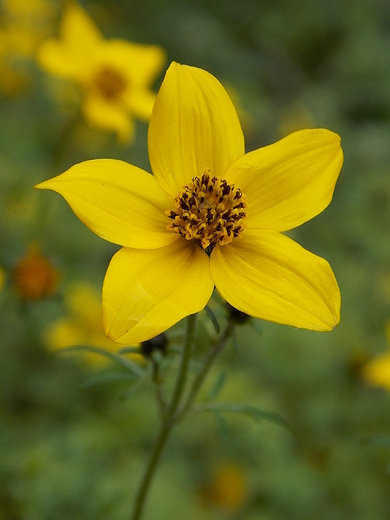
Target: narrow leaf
[[234, 343], [213, 319], [130, 350], [195, 366], [222, 426], [104, 379], [257, 326], [219, 384], [132, 389], [251, 411], [379, 440], [127, 363]]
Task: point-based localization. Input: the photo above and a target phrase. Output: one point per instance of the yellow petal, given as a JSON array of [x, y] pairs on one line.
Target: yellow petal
[[194, 127], [70, 55], [57, 59], [140, 102], [78, 29], [377, 371], [269, 276], [109, 116], [145, 292], [290, 181], [117, 201], [140, 64]]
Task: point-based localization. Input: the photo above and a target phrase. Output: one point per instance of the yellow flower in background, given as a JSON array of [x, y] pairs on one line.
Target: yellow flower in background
[[210, 215], [82, 325], [34, 276], [114, 75], [227, 489], [2, 278], [377, 371], [24, 24]]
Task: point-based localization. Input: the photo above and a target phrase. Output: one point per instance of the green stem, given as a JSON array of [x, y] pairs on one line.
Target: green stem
[[211, 357], [168, 422], [160, 398]]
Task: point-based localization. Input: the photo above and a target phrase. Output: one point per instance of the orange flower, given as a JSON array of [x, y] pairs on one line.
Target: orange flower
[[34, 276], [228, 489]]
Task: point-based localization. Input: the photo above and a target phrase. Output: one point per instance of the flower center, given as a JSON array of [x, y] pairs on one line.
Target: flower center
[[209, 210], [109, 82]]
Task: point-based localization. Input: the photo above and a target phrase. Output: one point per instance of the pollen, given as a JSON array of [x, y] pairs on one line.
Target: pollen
[[208, 210], [109, 82]]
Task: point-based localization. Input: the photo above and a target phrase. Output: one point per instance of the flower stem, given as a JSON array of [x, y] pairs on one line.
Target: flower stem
[[160, 398], [211, 357], [168, 421]]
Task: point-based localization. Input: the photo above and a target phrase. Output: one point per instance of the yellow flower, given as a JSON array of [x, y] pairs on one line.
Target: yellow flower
[[228, 488], [114, 75], [2, 278], [210, 215], [82, 325], [377, 371], [24, 24]]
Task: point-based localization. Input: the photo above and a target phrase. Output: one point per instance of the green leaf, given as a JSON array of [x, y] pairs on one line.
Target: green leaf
[[213, 319], [195, 366], [222, 426], [104, 379], [127, 363], [219, 384], [380, 440], [132, 389], [250, 411], [130, 350], [257, 326], [234, 343]]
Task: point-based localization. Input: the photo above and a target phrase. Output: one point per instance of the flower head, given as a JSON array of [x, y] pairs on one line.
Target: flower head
[[24, 25], [34, 276], [114, 75], [377, 371], [210, 216], [82, 324], [2, 278], [228, 488]]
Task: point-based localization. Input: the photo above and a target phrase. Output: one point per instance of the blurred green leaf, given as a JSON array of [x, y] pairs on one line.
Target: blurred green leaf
[[218, 386], [127, 363], [222, 426], [213, 319], [103, 379], [132, 389], [195, 366], [234, 343], [380, 440], [130, 350], [250, 411], [256, 325]]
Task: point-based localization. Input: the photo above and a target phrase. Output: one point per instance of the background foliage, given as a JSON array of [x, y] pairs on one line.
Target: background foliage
[[69, 450]]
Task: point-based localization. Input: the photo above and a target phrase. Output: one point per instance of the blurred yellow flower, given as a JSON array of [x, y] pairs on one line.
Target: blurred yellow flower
[[227, 489], [210, 215], [24, 24], [34, 276], [83, 324], [377, 371], [2, 278], [114, 75]]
